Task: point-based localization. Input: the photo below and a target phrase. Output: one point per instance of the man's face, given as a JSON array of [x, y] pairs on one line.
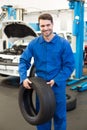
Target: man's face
[[46, 27]]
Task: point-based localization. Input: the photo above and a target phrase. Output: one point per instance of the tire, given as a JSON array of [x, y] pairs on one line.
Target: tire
[[32, 71], [46, 101], [71, 102], [71, 99]]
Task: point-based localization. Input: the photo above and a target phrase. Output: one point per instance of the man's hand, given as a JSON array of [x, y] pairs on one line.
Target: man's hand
[[26, 83], [51, 82]]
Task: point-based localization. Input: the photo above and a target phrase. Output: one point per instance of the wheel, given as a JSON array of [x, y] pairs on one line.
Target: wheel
[[71, 99], [46, 101], [32, 72], [71, 102]]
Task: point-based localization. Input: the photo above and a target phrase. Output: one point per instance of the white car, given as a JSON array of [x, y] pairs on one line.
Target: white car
[[19, 34], [66, 35]]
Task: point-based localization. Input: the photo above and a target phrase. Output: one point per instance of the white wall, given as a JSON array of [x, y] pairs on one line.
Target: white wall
[[62, 19]]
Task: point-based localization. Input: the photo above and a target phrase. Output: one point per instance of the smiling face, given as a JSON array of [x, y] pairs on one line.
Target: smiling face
[[46, 27]]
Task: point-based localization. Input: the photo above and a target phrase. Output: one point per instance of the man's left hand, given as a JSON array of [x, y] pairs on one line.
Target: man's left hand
[[51, 82]]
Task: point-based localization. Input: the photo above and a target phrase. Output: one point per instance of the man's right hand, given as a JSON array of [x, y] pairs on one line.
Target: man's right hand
[[26, 83]]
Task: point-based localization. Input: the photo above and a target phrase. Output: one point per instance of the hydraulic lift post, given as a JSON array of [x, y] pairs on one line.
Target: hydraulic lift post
[[78, 32]]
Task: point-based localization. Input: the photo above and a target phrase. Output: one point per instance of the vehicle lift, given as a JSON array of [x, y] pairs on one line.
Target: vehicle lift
[[78, 32]]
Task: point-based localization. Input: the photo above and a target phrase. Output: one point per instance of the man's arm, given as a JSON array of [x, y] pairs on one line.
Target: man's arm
[[24, 63]]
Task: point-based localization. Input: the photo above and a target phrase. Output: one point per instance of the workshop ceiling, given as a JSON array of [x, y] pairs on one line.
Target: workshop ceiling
[[37, 5]]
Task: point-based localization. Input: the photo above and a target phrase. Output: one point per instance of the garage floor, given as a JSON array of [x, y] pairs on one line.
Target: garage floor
[[11, 118]]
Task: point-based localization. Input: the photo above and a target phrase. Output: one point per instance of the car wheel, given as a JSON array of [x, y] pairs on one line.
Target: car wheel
[[32, 72], [71, 99], [71, 102], [46, 101]]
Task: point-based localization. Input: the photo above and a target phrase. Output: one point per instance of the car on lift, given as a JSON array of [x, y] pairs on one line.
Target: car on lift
[[19, 34], [66, 34]]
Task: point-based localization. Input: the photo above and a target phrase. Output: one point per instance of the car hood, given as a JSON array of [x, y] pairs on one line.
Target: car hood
[[17, 29], [19, 34]]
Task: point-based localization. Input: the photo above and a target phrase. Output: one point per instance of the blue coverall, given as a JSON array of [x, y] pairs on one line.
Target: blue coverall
[[52, 60]]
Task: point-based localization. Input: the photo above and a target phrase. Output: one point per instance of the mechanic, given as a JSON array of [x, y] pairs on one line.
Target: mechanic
[[54, 62]]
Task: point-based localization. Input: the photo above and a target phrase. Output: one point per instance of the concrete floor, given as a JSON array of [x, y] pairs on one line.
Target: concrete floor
[[11, 118]]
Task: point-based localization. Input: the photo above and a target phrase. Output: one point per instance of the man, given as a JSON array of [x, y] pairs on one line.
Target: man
[[54, 62]]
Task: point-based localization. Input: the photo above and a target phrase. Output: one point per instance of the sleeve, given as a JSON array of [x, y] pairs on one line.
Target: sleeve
[[68, 64], [25, 63]]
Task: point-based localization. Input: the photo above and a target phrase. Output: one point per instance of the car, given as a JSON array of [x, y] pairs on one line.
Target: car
[[67, 35], [19, 34]]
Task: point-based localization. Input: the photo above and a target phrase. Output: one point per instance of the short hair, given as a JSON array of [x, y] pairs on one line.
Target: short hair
[[45, 16]]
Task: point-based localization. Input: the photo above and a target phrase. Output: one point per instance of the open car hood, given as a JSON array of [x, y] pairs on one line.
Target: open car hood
[[18, 29]]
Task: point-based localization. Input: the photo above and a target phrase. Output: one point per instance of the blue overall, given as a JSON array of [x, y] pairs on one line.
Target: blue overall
[[52, 60]]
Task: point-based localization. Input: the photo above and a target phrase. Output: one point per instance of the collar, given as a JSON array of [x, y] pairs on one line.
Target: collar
[[42, 40]]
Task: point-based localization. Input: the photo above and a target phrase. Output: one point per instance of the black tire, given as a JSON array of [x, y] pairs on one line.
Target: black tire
[[71, 102], [46, 100], [71, 99], [32, 71]]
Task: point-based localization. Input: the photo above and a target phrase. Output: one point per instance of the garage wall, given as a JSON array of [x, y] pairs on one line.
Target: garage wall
[[62, 19]]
